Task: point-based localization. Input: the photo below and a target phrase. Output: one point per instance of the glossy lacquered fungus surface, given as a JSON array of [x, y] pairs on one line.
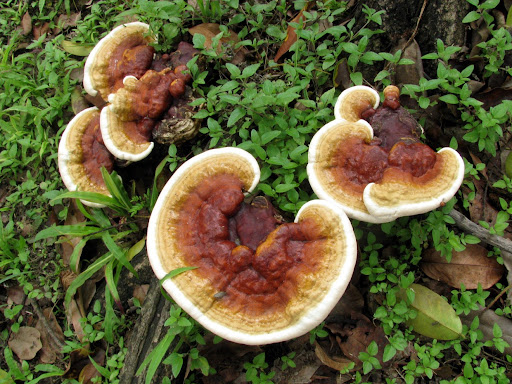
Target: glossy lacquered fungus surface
[[124, 51], [82, 153], [253, 285], [371, 161]]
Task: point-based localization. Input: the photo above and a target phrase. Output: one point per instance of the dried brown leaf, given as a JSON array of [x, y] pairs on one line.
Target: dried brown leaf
[[335, 362], [291, 35], [66, 21], [210, 30], [409, 73], [140, 292], [341, 75], [15, 296], [78, 101], [50, 349], [356, 335], [469, 267], [25, 343], [40, 30], [89, 372], [26, 23], [74, 315]]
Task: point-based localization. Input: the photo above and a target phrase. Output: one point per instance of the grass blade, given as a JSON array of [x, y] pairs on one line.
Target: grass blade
[[67, 230]]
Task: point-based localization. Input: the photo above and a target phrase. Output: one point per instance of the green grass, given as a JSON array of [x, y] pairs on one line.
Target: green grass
[[270, 109]]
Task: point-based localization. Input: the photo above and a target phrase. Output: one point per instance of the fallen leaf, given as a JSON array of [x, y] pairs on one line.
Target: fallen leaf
[[351, 301], [435, 317], [78, 359], [335, 362], [476, 161], [77, 49], [409, 73], [50, 347], [26, 23], [25, 343], [341, 75], [66, 21], [74, 315], [78, 101], [487, 319], [15, 295], [89, 372], [68, 244], [354, 335], [140, 292], [291, 35], [469, 267], [40, 30], [210, 30]]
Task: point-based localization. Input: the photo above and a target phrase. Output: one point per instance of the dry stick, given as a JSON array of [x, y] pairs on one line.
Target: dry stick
[[483, 234], [415, 32]]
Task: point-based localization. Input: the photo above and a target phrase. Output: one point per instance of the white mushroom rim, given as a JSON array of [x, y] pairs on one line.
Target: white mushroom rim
[[73, 174], [91, 62], [310, 317], [116, 141]]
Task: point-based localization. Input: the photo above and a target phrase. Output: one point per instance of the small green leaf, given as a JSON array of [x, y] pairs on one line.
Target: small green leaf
[[436, 318], [471, 16], [449, 99], [236, 115], [508, 165]]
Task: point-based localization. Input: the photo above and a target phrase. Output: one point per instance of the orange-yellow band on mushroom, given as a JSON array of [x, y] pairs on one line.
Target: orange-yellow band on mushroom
[[280, 290], [381, 171], [82, 153], [124, 51]]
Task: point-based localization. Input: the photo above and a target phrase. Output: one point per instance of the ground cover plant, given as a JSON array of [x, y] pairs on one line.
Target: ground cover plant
[[75, 281]]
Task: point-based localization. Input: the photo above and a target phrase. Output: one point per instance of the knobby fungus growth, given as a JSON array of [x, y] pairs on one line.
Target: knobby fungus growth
[[370, 160], [258, 280], [147, 98]]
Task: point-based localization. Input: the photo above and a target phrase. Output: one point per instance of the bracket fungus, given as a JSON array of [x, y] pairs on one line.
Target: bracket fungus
[[82, 153], [245, 292], [370, 160], [127, 123], [122, 52]]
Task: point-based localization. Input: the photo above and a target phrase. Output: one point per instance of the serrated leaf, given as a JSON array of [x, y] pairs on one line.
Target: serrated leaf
[[436, 318]]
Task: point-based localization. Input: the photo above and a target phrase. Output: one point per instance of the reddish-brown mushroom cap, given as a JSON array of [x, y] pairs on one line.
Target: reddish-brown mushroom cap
[[281, 290], [377, 179], [82, 153], [125, 51]]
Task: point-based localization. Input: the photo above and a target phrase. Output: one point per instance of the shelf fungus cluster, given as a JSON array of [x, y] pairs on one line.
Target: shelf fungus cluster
[[370, 160], [257, 280], [146, 98]]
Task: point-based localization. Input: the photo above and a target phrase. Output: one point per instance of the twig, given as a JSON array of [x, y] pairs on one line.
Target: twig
[[415, 32], [483, 234], [42, 318], [497, 297]]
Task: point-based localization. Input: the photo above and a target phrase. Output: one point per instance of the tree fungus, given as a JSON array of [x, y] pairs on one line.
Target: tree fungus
[[370, 160], [263, 284]]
